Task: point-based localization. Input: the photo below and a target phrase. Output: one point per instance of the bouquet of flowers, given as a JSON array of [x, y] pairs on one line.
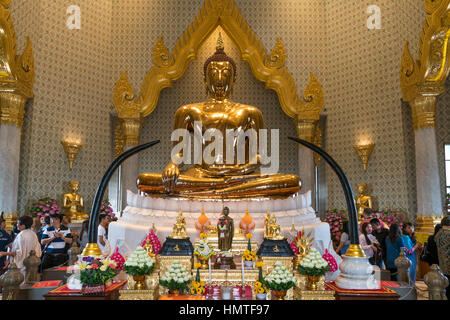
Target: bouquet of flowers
[[96, 272], [139, 263], [313, 264], [154, 241], [331, 261], [106, 208], [44, 207], [389, 217], [197, 286], [118, 259], [203, 250], [260, 285], [176, 277], [280, 279], [335, 219], [249, 255]]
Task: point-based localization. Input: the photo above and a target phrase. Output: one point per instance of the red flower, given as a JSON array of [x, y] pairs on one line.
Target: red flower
[[95, 266]]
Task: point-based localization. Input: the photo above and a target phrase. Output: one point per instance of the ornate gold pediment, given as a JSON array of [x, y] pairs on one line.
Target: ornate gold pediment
[[267, 68], [427, 75]]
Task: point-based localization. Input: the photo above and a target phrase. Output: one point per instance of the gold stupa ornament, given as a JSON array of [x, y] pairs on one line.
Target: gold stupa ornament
[[247, 225], [202, 224], [364, 152]]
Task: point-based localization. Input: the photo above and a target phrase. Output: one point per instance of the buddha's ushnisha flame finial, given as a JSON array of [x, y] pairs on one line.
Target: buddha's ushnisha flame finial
[[219, 45]]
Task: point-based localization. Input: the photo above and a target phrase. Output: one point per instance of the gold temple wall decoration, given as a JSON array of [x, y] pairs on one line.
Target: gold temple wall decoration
[[266, 68], [364, 152], [71, 149], [16, 71], [423, 80]]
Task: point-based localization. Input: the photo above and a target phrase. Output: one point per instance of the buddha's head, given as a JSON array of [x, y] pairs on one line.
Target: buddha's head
[[74, 186], [362, 188], [219, 73], [226, 211]]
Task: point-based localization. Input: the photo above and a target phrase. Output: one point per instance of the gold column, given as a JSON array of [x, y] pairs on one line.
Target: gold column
[[131, 131], [12, 108], [306, 129], [423, 108]]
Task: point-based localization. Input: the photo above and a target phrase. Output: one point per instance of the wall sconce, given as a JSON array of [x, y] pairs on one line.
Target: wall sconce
[[71, 149], [364, 151]]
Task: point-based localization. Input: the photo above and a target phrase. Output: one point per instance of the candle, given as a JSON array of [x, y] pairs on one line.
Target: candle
[[243, 273], [209, 262]]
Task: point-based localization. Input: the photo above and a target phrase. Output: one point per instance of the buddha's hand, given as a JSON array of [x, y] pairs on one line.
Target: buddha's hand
[[170, 176]]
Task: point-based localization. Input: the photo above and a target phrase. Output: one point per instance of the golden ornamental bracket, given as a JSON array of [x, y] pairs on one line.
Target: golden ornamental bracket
[[267, 68], [427, 75]]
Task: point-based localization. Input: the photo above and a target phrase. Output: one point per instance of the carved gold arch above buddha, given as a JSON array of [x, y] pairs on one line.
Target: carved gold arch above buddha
[[422, 80], [270, 69], [16, 71]]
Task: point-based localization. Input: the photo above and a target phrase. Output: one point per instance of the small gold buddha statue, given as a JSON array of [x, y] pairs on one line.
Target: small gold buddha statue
[[179, 228], [266, 224], [363, 201], [274, 230], [149, 248], [73, 203], [221, 179]]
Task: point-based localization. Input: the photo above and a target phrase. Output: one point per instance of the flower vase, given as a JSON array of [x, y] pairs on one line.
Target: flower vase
[[140, 282], [174, 293], [93, 290], [261, 296], [248, 264], [312, 281], [279, 295]]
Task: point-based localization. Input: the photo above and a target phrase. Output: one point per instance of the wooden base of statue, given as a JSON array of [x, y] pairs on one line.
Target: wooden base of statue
[[302, 292]]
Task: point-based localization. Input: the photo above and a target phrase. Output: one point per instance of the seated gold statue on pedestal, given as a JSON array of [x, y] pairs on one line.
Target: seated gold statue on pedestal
[[149, 248], [219, 112], [273, 229], [73, 203], [179, 228], [363, 201]]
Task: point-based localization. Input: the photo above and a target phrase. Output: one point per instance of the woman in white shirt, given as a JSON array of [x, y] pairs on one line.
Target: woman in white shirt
[[25, 241], [102, 238], [368, 242]]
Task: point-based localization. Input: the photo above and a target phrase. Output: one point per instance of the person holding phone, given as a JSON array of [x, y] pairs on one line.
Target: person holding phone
[[54, 240]]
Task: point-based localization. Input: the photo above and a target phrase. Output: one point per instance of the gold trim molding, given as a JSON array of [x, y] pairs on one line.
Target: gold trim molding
[[168, 67], [423, 79], [16, 71]]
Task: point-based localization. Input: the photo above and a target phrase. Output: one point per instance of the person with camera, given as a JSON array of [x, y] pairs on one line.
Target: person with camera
[[54, 240]]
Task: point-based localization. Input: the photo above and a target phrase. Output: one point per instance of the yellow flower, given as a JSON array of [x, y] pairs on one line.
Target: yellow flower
[[193, 291], [259, 264], [202, 283], [197, 265], [246, 252], [249, 236], [257, 284], [199, 291], [203, 235], [260, 290], [103, 268]]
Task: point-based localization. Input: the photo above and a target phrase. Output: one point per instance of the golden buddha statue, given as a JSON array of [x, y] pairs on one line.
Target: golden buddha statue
[[266, 224], [219, 179], [363, 201], [149, 248], [179, 228], [73, 203], [274, 230]]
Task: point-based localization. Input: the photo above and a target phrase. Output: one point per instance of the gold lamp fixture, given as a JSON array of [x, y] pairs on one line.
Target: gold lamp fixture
[[364, 152], [71, 148]]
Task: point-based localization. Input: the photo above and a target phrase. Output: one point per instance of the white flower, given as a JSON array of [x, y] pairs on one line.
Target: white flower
[[277, 281]]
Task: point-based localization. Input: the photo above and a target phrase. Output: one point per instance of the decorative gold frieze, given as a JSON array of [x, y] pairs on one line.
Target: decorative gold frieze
[[10, 220], [12, 108], [168, 68], [306, 129], [423, 109]]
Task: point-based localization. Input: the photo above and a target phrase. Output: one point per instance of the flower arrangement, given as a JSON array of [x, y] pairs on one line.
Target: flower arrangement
[[331, 261], [139, 263], [197, 286], [280, 279], [154, 241], [313, 264], [118, 259], [44, 207], [249, 255], [388, 217], [335, 218], [260, 286], [106, 208], [447, 204], [176, 277], [203, 250], [96, 272]]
